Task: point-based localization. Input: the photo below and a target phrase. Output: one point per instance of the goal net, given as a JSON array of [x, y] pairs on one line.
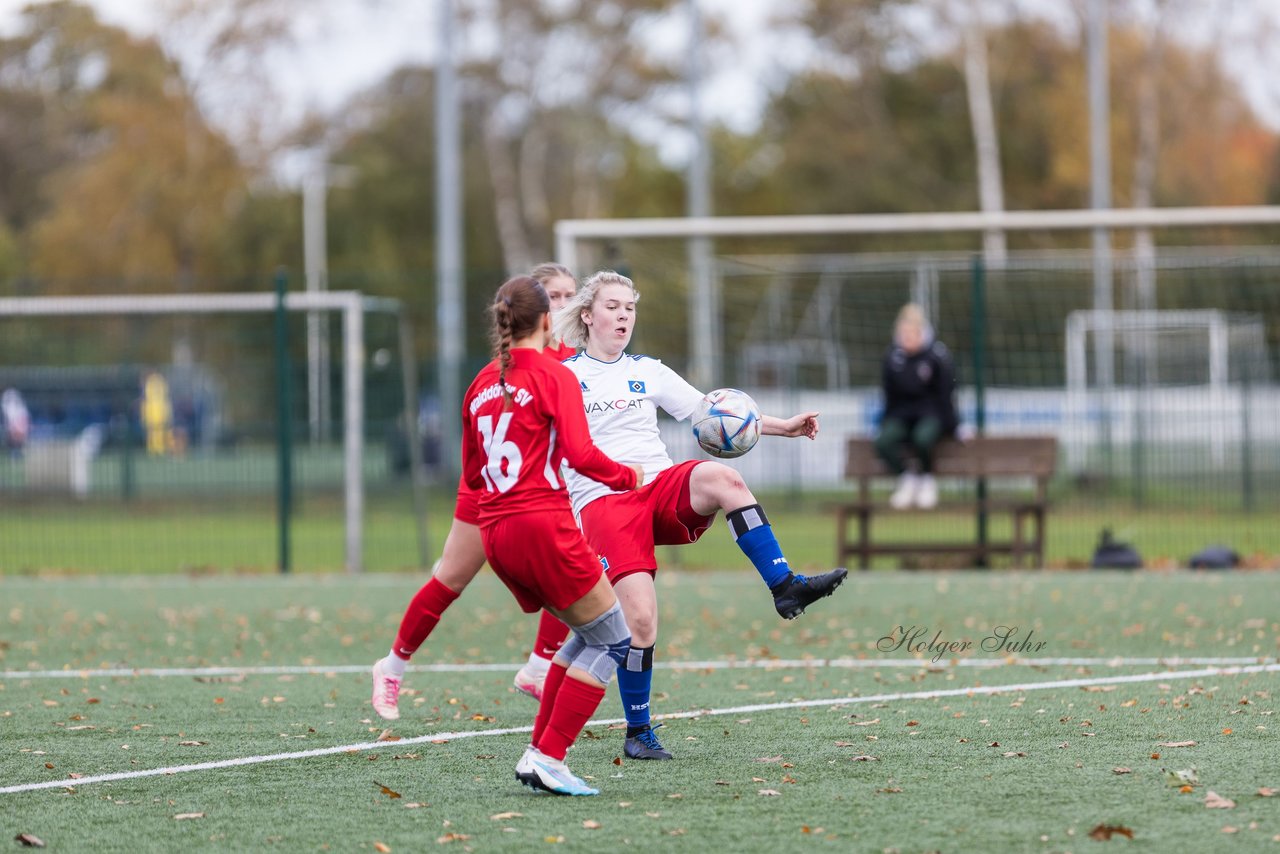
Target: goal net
[[156, 439]]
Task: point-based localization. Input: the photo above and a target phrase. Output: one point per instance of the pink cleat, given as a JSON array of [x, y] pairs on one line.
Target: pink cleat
[[529, 683], [386, 693]]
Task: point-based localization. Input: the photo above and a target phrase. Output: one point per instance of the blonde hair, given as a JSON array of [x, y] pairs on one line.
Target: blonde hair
[[551, 270], [567, 324], [913, 314]]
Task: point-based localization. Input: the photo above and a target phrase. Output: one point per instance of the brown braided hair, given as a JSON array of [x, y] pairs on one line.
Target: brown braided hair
[[517, 310]]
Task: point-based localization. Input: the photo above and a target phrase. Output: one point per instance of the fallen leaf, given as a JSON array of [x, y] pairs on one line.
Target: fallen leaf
[[458, 837], [386, 791], [1121, 770], [1014, 753], [769, 793], [758, 780], [1104, 832], [1155, 756], [590, 824], [503, 816], [382, 848], [1229, 829], [769, 759], [29, 840], [1227, 731], [183, 816], [1098, 689], [866, 723], [191, 743], [1181, 777], [1265, 792], [1186, 790], [864, 758], [1177, 744], [1214, 801], [844, 744], [386, 735], [722, 782], [617, 760], [415, 806], [913, 723], [890, 790]]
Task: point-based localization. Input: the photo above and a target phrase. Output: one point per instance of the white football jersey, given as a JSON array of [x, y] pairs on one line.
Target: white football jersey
[[622, 399]]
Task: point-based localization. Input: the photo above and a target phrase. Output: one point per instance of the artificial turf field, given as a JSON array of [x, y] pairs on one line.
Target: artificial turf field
[[253, 693]]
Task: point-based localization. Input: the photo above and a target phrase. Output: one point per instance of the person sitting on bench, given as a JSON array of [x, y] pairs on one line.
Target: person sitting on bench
[[919, 379]]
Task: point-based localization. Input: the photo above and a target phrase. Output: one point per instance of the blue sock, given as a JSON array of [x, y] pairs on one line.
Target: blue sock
[[754, 535], [635, 681]]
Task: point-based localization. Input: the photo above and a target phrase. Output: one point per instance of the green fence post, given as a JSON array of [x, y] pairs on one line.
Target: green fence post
[[979, 331], [284, 432]]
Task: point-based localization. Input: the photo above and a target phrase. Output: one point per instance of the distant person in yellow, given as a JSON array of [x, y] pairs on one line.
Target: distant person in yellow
[[157, 415]]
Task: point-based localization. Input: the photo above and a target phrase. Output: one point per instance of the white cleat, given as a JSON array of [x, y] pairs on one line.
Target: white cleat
[[905, 494], [386, 693], [529, 683], [544, 774], [927, 492]]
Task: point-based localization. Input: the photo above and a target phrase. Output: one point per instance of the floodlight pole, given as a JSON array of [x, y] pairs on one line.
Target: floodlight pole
[[449, 294], [704, 337], [316, 268], [1100, 199]]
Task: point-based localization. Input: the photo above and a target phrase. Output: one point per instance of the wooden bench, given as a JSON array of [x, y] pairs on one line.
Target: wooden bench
[[980, 460]]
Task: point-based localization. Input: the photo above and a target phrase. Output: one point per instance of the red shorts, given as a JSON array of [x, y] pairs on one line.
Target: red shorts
[[468, 507], [542, 558], [624, 528]]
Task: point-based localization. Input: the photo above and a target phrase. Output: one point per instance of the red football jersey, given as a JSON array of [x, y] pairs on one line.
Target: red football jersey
[[512, 451], [560, 351], [466, 509]]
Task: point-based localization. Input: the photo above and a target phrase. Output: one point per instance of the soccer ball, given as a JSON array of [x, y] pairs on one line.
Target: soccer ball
[[726, 423]]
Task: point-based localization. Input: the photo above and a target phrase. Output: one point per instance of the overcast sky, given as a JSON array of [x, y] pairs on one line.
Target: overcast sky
[[357, 42]]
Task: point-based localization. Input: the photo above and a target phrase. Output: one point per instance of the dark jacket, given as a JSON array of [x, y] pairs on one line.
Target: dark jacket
[[920, 385]]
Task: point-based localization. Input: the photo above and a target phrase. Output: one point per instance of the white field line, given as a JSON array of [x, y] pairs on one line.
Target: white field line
[[761, 664], [977, 690]]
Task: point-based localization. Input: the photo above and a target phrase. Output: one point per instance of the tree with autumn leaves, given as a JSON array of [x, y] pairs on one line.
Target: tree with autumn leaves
[[112, 177]]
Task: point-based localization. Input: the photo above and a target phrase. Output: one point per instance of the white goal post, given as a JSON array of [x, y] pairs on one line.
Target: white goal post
[[351, 304], [703, 343]]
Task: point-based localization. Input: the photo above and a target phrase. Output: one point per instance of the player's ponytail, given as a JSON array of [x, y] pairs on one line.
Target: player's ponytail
[[517, 310]]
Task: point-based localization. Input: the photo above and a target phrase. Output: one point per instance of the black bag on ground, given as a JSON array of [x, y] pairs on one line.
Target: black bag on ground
[[1215, 557], [1111, 554]]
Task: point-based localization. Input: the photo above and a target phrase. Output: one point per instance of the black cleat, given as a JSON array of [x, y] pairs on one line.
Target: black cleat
[[798, 592], [645, 745]]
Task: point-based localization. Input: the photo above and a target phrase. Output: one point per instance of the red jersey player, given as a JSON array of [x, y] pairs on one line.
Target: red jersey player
[[461, 560], [521, 418]]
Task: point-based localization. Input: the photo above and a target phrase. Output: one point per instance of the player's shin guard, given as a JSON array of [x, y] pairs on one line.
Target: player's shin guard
[[754, 535], [575, 703], [550, 689], [635, 680], [421, 617]]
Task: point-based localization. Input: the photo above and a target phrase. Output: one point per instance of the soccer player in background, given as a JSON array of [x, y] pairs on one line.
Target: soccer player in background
[[521, 418], [678, 502], [918, 378], [461, 560]]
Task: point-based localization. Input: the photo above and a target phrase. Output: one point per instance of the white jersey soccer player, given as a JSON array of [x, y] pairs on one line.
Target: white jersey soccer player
[[622, 399], [678, 501]]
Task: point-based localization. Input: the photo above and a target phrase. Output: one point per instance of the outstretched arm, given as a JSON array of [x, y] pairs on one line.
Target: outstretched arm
[[805, 424]]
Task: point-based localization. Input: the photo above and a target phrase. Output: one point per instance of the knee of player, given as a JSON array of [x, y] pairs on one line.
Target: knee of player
[[724, 480]]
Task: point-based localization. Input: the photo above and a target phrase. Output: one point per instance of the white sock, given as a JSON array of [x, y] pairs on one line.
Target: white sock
[[537, 664], [394, 665]]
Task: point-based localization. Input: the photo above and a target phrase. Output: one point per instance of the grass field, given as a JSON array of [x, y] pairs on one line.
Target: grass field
[[788, 736], [181, 535]]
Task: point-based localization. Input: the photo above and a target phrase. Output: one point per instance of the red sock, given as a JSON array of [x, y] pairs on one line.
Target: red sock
[[551, 636], [550, 688], [576, 702], [421, 616]]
